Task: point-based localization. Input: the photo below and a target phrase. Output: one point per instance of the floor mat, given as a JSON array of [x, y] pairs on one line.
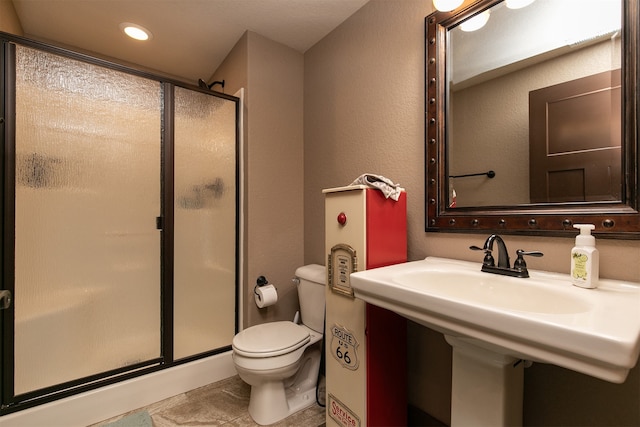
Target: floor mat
[[139, 419]]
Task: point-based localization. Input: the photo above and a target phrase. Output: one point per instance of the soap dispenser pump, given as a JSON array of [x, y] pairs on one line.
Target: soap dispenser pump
[[585, 258]]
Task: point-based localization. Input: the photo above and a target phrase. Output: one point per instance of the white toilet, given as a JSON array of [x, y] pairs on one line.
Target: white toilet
[[280, 360]]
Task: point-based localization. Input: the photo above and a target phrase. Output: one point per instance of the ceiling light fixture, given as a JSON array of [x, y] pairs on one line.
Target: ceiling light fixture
[[517, 4], [135, 31], [476, 22], [446, 5]]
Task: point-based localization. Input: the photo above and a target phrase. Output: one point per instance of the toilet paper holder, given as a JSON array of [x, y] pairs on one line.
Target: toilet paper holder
[[265, 294], [260, 281]]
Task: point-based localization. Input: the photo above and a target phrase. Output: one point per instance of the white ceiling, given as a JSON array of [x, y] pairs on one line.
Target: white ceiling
[[190, 37]]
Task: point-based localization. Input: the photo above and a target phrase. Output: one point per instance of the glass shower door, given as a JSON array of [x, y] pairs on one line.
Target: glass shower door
[[204, 223], [87, 194]]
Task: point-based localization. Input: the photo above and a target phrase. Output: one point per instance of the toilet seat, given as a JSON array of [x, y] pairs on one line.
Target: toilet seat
[[270, 339]]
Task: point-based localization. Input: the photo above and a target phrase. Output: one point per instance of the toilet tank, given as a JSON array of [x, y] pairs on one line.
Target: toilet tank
[[312, 279]]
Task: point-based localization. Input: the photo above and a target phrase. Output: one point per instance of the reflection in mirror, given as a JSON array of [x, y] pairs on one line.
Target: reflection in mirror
[[521, 59], [544, 94]]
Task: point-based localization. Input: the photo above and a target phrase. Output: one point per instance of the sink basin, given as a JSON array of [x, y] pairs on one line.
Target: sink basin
[[499, 292], [542, 318]]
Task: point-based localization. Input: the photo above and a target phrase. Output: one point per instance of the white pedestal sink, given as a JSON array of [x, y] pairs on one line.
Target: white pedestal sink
[[487, 387], [493, 321]]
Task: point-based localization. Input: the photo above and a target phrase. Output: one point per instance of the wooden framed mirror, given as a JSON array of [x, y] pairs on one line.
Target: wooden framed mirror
[[531, 138]]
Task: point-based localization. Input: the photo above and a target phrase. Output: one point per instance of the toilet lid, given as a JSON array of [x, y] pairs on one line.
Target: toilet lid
[[270, 339]]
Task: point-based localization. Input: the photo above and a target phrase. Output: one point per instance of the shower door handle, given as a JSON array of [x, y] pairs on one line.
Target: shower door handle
[[5, 299]]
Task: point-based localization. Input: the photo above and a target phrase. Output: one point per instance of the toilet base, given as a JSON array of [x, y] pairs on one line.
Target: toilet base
[[269, 403], [273, 400]]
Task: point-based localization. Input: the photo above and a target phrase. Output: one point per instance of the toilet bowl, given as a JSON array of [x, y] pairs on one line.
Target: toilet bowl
[[280, 360]]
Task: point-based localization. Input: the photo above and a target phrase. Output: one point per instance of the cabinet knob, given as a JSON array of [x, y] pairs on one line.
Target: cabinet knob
[[342, 218]]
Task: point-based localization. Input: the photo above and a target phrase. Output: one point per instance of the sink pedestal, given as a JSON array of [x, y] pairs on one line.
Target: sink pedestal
[[487, 389]]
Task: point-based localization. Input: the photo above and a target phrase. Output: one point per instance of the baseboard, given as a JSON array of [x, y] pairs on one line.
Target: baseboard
[[416, 417], [107, 402]]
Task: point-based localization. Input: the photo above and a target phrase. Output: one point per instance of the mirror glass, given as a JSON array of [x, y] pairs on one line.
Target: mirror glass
[[534, 95], [532, 117]]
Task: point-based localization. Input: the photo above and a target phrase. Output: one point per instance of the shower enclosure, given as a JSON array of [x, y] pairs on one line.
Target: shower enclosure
[[120, 222]]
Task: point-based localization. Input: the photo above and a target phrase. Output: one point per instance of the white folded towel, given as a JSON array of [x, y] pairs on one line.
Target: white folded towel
[[388, 188]]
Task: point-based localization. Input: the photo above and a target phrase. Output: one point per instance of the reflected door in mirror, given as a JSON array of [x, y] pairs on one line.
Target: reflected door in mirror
[[575, 139]]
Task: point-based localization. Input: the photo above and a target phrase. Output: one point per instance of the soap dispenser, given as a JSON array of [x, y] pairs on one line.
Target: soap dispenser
[[585, 258]]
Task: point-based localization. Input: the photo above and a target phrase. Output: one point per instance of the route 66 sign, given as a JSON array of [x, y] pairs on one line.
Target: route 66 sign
[[344, 347]]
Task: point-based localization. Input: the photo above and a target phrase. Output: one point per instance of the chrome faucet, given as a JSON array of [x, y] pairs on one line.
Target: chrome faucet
[[488, 264]]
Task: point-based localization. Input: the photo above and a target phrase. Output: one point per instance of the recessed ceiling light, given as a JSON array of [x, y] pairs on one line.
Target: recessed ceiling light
[[135, 31]]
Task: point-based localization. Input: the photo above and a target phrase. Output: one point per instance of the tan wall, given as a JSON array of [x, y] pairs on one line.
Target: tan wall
[[9, 22], [364, 112], [273, 199]]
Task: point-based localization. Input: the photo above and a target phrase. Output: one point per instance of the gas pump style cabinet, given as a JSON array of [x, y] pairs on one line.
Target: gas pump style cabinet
[[365, 345]]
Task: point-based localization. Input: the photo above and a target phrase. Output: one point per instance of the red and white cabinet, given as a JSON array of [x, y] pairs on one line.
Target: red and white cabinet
[[365, 345]]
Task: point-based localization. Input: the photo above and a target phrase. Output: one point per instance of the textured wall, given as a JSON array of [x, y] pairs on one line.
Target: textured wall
[[273, 168]]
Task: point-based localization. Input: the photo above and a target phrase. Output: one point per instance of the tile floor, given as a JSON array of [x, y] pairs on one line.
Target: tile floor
[[223, 403]]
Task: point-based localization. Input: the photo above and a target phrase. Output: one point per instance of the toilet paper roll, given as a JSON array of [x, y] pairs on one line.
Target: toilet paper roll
[[266, 295]]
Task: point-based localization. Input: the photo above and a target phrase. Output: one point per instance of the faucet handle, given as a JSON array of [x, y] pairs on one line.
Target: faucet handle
[[488, 258], [519, 263]]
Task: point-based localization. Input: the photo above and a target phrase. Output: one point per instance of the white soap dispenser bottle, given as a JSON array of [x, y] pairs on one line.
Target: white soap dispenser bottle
[[585, 258]]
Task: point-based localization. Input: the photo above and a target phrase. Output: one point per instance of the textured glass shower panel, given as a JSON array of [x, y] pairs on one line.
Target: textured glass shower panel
[[87, 263], [205, 222]]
